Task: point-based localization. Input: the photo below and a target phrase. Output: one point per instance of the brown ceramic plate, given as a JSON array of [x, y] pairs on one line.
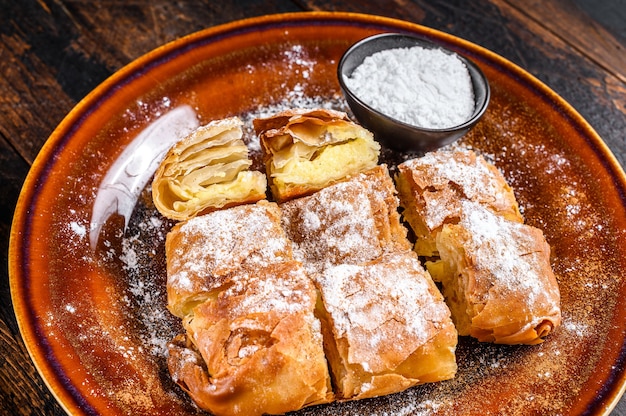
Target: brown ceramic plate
[[87, 256]]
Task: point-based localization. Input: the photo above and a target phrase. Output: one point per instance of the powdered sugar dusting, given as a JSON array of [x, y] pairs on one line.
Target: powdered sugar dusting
[[474, 178], [378, 297], [554, 187], [145, 292], [445, 173], [331, 230], [381, 306], [229, 238], [508, 252], [283, 289], [299, 60]]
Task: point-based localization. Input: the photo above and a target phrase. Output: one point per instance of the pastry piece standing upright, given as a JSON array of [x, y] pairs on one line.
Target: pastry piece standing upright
[[432, 187], [205, 171], [252, 345], [306, 150], [385, 325], [494, 269]]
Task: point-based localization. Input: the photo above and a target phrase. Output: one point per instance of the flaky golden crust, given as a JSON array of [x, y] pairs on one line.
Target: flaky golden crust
[[431, 188], [306, 150], [495, 270], [385, 325], [257, 348], [205, 252], [499, 272], [205, 171], [252, 344], [349, 222]]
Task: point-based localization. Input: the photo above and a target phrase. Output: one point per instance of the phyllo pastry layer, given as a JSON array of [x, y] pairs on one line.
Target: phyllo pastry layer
[[385, 325], [497, 278], [205, 252], [432, 187], [352, 221], [252, 345], [494, 269], [207, 170], [306, 150]]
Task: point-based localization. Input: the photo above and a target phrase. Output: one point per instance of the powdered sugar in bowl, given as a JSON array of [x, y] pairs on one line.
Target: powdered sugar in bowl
[[410, 92]]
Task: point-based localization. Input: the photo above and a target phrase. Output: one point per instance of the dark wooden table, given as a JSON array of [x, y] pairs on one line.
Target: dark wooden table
[[53, 52]]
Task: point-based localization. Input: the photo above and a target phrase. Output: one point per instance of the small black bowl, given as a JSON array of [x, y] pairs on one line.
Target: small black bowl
[[394, 133]]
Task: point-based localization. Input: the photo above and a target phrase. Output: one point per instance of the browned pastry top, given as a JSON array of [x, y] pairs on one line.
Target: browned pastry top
[[206, 251], [441, 179]]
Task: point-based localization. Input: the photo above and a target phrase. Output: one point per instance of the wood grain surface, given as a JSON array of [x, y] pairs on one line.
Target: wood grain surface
[[53, 52]]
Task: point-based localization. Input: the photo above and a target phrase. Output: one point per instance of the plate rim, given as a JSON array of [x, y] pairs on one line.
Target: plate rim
[[40, 167]]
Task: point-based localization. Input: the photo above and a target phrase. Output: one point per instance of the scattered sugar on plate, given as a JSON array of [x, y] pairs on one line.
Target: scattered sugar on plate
[[481, 366]]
